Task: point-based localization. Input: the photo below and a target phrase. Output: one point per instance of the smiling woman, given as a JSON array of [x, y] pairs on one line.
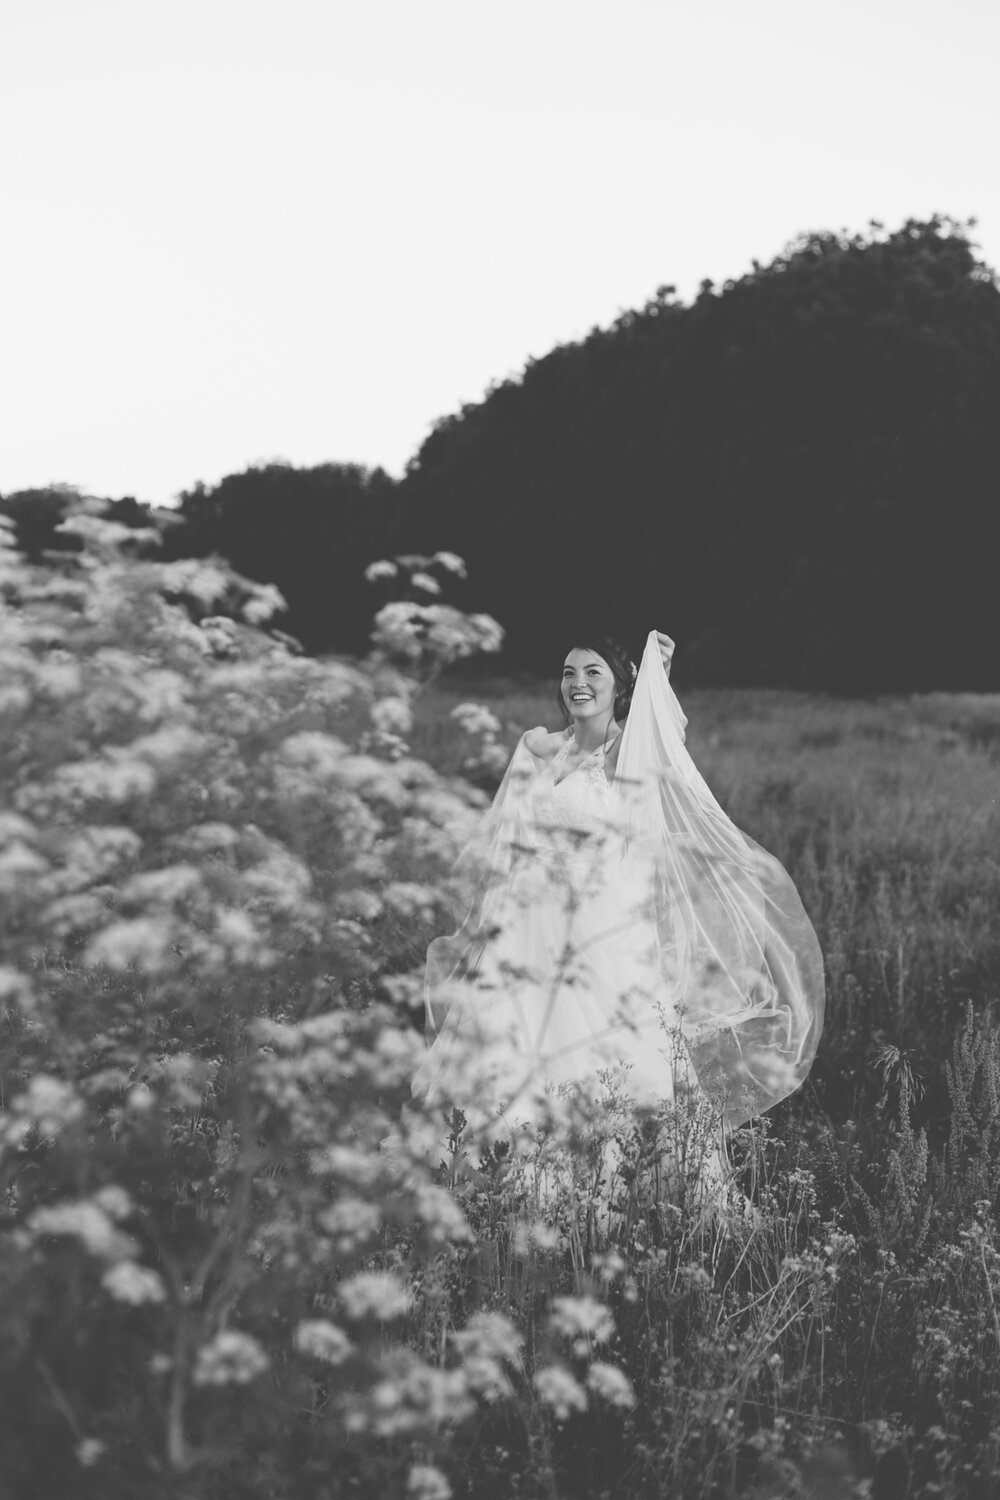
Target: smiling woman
[[618, 923]]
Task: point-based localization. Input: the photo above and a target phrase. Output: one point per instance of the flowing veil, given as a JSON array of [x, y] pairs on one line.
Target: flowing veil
[[737, 950], [740, 968]]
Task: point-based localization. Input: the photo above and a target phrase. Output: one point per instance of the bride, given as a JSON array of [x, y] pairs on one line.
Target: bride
[[615, 922]]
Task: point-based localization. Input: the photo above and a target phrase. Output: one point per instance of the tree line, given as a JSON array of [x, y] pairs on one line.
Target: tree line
[[795, 474]]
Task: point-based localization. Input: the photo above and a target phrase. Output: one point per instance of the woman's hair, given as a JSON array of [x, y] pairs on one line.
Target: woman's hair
[[623, 669]]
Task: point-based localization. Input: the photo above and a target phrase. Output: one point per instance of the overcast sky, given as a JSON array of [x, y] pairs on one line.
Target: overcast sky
[[236, 230]]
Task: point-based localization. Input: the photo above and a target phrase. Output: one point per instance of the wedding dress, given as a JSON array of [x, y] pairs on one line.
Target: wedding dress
[[621, 928]]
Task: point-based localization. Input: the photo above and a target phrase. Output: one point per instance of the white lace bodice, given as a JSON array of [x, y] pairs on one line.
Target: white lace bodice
[[578, 801]]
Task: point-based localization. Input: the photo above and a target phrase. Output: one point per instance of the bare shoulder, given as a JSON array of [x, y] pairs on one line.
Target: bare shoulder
[[543, 742]]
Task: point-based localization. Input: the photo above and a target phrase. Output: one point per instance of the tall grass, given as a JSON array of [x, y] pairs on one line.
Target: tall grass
[[887, 815], [834, 1327], [227, 1270]]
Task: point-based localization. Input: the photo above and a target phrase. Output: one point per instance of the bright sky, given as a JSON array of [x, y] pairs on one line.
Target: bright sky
[[237, 230]]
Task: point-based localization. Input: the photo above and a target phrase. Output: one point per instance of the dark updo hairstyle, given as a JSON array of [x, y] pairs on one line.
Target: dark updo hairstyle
[[623, 669]]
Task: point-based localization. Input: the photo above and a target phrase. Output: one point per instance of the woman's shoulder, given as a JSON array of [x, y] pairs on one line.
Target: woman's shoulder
[[545, 743]]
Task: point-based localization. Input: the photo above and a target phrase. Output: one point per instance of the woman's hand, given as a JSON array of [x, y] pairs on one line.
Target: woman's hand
[[667, 649]]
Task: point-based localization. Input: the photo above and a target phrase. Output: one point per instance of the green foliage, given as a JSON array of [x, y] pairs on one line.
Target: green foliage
[[795, 475]]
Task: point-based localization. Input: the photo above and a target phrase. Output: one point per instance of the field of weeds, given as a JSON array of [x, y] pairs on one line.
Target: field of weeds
[[236, 1262], [844, 1337]]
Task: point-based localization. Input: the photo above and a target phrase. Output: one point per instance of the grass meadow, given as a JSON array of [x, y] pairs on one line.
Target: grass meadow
[[887, 814], [882, 1175], [236, 1263]]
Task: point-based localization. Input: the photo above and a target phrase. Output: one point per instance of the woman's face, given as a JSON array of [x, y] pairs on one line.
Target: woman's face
[[588, 686]]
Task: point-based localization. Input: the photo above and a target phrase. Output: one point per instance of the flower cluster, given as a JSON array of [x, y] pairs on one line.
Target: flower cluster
[[212, 850]]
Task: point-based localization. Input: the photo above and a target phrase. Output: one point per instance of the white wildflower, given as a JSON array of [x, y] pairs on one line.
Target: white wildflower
[[404, 989], [265, 602], [609, 1265], [489, 633], [426, 582], [89, 1451], [695, 1277], [560, 1390], [219, 632], [92, 854], [418, 1395], [208, 838], [240, 939], [51, 1103], [146, 942], [349, 1222], [87, 1222], [99, 533], [425, 1482], [378, 570], [323, 1340], [489, 1333], [427, 842], [169, 745], [349, 1163], [392, 716], [168, 887], [15, 698], [407, 898], [280, 879], [363, 906], [75, 914], [116, 778], [115, 1201], [200, 580], [611, 1385], [451, 562], [446, 810], [535, 1236], [319, 754], [374, 1294], [397, 1052], [134, 1284], [186, 1077], [231, 1358], [160, 693], [18, 863], [15, 989], [14, 828], [475, 719], [374, 778], [58, 679], [440, 1216], [13, 1131], [140, 1100], [582, 1319]]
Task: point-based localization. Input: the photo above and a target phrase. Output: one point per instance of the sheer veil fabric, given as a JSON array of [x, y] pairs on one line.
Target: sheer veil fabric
[[624, 928]]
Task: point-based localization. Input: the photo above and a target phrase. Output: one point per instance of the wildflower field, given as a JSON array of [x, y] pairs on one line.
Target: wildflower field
[[234, 1263]]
